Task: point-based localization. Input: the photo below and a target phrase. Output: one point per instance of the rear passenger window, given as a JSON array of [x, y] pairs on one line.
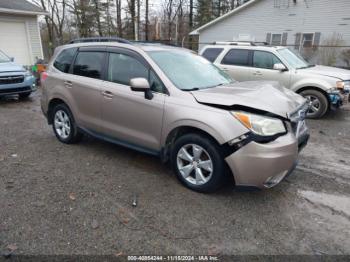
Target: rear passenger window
[[65, 59], [212, 53], [238, 57], [89, 64]]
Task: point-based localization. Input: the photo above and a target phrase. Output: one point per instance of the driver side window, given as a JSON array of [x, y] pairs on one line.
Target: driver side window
[[123, 67], [264, 60]]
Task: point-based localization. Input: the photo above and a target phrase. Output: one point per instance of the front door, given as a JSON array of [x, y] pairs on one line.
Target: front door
[[263, 62], [127, 115]]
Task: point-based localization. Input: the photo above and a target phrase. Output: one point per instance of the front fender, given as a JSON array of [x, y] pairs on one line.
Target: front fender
[[194, 124], [309, 82]]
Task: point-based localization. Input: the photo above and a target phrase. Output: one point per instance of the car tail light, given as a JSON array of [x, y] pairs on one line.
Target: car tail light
[[43, 76]]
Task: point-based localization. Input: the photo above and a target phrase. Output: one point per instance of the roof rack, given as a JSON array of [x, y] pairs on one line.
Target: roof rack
[[247, 43], [100, 39]]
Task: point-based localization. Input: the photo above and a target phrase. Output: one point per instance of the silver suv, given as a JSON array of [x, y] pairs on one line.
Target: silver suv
[[325, 87], [175, 104]]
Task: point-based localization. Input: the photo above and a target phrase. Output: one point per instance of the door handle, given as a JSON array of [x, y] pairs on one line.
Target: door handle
[[107, 94], [68, 84], [257, 73]]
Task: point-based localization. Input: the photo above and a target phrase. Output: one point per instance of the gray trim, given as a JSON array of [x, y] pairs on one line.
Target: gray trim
[[20, 5], [268, 38], [284, 38], [297, 41]]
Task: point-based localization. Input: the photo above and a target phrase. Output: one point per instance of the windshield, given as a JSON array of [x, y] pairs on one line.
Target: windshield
[[189, 71], [293, 59], [4, 58]]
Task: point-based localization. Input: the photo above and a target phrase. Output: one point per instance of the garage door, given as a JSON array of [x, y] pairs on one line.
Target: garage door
[[14, 42]]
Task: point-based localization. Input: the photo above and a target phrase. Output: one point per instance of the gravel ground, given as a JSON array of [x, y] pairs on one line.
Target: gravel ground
[[77, 199]]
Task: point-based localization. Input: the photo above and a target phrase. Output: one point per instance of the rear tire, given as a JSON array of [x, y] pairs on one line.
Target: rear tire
[[198, 163], [319, 103], [64, 126]]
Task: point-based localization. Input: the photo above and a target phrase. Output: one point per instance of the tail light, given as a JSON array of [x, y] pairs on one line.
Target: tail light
[[43, 76]]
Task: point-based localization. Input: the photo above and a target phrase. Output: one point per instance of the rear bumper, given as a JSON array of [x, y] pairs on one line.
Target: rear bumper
[[27, 86], [266, 165]]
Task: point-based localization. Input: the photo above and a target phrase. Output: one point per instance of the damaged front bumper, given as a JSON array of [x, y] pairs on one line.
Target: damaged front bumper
[[338, 98], [264, 165]]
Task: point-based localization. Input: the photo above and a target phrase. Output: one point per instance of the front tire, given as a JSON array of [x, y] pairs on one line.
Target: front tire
[[198, 163], [64, 125], [319, 103]]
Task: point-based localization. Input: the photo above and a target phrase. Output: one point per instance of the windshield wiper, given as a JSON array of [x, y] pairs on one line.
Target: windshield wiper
[[190, 89], [206, 87], [308, 66]]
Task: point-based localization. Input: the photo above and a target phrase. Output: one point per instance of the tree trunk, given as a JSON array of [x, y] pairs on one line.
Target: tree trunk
[[98, 18], [119, 18], [146, 21]]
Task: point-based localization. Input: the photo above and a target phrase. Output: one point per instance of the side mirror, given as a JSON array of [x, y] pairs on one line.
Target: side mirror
[[140, 84], [12, 59], [280, 67]]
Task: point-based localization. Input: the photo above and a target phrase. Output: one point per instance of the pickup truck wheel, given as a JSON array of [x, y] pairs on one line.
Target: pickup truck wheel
[[64, 125], [198, 164], [319, 103]]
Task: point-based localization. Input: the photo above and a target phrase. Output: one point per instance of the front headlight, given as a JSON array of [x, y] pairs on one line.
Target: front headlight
[[27, 74], [260, 125], [343, 84]]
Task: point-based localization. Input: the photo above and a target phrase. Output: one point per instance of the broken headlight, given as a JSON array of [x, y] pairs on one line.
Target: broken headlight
[[260, 125]]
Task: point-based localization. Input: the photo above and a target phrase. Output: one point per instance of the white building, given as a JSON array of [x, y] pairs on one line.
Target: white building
[[19, 31], [298, 23]]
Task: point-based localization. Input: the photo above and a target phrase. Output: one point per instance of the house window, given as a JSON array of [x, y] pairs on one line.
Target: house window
[[276, 39], [307, 40]]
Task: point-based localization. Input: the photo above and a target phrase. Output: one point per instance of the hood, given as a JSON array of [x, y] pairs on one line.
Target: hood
[[262, 95], [11, 67], [342, 74]]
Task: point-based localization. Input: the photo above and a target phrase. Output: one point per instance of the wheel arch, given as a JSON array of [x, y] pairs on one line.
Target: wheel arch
[[301, 89], [180, 130], [54, 102]]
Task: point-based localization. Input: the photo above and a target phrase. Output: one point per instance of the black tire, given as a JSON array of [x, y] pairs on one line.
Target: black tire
[[24, 95], [323, 103], [219, 171], [74, 135]]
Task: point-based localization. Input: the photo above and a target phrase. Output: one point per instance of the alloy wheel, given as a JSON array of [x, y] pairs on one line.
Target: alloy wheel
[[315, 105], [194, 164], [62, 124]]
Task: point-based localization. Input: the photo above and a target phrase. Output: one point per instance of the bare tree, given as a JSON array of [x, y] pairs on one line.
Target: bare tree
[[146, 20], [132, 11], [118, 4]]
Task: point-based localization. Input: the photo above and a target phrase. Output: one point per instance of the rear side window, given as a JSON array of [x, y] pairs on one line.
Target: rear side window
[[238, 57], [65, 59], [212, 53], [89, 64]]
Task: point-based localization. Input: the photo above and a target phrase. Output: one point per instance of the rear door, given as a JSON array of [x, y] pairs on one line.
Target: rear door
[[84, 83], [237, 63], [212, 53], [126, 114], [263, 62]]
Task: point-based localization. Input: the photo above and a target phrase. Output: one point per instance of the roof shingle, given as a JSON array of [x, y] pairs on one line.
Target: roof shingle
[[20, 5]]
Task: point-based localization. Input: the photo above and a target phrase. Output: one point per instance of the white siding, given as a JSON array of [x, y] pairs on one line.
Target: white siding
[[33, 34], [261, 18]]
